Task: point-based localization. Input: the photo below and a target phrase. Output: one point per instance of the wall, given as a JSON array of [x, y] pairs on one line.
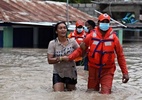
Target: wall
[[87, 8]]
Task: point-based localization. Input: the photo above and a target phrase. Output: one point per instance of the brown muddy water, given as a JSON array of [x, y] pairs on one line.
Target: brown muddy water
[[26, 75]]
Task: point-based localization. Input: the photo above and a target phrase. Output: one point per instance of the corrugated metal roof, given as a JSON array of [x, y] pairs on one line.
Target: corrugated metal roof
[[39, 11]]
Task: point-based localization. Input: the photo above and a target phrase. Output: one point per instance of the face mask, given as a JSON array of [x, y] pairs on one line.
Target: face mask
[[86, 29], [104, 26], [79, 30]]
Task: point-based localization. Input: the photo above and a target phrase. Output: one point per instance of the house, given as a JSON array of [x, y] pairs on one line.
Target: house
[[128, 12], [30, 23]]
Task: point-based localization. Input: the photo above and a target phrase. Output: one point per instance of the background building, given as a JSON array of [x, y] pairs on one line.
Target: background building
[[30, 23], [128, 12]]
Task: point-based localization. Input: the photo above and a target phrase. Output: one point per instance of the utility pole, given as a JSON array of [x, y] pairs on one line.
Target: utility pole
[[67, 11]]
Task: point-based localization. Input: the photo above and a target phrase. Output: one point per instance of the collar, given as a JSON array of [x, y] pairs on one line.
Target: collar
[[57, 39]]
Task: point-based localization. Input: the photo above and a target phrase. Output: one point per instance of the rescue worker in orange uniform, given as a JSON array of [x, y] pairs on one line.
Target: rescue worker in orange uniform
[[88, 28], [104, 48], [78, 34]]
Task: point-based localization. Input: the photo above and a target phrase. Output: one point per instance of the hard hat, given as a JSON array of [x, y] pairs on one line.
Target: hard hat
[[103, 17], [79, 23]]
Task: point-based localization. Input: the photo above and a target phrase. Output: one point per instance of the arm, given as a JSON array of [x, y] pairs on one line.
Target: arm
[[81, 50], [121, 60], [51, 53], [76, 53], [53, 60]]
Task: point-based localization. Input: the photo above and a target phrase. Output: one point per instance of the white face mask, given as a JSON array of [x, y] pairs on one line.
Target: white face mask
[[86, 29], [79, 30]]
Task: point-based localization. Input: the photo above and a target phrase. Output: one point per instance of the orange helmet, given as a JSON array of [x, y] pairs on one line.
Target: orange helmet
[[104, 16], [79, 23]]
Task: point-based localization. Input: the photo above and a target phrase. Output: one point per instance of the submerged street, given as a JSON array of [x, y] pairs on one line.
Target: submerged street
[[26, 75]]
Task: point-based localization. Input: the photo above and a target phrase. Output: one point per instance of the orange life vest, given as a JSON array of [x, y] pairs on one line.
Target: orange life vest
[[101, 53], [78, 37]]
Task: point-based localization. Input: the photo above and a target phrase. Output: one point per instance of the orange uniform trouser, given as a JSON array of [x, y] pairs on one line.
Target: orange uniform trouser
[[102, 83]]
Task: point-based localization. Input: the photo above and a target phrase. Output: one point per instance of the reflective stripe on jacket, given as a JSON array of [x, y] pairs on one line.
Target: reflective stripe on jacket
[[78, 37]]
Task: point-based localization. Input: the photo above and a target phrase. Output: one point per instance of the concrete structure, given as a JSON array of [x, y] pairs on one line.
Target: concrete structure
[[87, 8], [118, 10]]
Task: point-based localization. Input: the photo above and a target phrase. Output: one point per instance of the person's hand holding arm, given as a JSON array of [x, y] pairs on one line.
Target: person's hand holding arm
[[78, 52], [53, 60]]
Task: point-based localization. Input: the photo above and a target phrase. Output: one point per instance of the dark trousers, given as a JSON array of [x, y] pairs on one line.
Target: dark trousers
[[86, 63]]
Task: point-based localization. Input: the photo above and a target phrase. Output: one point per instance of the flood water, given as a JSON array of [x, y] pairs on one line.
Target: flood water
[[26, 75]]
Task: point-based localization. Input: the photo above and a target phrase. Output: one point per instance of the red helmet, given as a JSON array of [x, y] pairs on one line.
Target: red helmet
[[104, 16], [79, 23]]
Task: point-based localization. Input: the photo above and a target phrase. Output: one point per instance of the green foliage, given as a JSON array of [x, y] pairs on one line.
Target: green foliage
[[74, 1]]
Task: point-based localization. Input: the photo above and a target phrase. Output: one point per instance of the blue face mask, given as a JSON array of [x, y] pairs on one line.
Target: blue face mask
[[104, 26], [79, 30], [86, 29]]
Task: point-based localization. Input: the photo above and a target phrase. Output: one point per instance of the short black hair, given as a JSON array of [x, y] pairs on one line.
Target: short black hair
[[62, 22], [91, 22], [55, 35]]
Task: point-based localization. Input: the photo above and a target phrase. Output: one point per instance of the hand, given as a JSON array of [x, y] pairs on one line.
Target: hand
[[125, 78], [65, 58]]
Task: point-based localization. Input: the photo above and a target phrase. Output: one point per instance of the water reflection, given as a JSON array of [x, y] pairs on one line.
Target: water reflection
[[26, 75]]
